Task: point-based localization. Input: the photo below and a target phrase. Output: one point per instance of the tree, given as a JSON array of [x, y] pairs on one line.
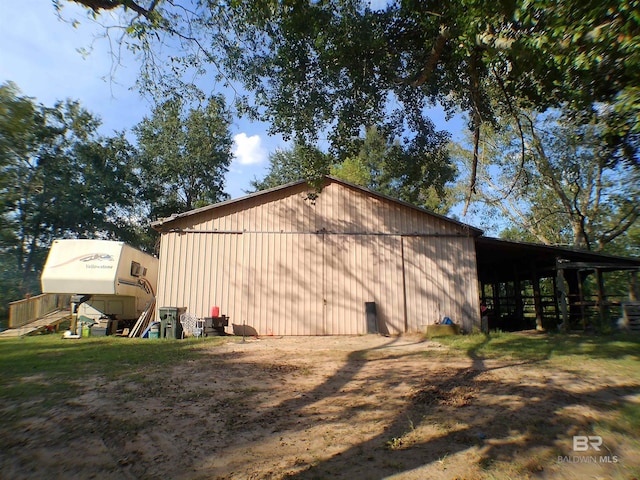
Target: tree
[[108, 192], [568, 191], [353, 170], [58, 178], [302, 162], [416, 172], [332, 67], [184, 155]]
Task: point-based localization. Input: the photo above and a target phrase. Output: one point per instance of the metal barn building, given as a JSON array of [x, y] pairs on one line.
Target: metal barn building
[[279, 263]]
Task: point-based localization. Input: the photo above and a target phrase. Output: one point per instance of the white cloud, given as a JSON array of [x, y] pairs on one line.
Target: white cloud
[[248, 150]]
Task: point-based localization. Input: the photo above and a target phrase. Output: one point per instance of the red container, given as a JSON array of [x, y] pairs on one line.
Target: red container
[[215, 311]]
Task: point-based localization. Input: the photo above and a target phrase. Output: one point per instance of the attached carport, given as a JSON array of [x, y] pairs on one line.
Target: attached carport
[[526, 286]]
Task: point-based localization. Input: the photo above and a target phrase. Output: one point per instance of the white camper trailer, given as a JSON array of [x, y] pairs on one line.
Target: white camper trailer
[[112, 282]]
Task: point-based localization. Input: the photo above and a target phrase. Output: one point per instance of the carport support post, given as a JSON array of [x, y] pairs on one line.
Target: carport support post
[[602, 300], [561, 292], [633, 286], [556, 307], [583, 315], [517, 290], [537, 300], [576, 306], [495, 292]]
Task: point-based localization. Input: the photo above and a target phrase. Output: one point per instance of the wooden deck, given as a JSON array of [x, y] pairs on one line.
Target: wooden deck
[[53, 319]]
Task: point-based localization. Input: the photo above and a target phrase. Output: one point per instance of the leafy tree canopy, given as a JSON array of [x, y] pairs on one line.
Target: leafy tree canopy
[[567, 191], [302, 162], [416, 173], [338, 65], [184, 154], [58, 178]]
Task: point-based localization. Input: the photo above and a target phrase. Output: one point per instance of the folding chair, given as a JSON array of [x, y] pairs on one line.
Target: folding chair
[[191, 325]]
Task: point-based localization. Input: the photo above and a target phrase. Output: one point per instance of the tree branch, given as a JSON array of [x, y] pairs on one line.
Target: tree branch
[[621, 228], [477, 121], [515, 116], [582, 218], [513, 211], [97, 5], [546, 169], [432, 62]]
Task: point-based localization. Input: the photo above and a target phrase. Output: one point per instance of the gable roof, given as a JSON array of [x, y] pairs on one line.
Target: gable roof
[[164, 222]]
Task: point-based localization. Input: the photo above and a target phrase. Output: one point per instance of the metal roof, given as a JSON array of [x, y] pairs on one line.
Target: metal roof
[[504, 260]]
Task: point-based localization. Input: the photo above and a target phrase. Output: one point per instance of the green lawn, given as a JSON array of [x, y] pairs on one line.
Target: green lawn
[[45, 369], [606, 356], [522, 392], [620, 350]]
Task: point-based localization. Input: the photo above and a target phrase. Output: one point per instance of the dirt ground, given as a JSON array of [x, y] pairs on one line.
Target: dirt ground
[[366, 407]]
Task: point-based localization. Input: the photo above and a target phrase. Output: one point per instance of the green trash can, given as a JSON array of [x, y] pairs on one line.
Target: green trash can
[[86, 330], [170, 326], [85, 325]]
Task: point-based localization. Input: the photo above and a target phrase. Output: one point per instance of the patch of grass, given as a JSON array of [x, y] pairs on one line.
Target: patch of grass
[[546, 346], [485, 463], [244, 391], [97, 355], [395, 466], [394, 443], [49, 367], [626, 420], [35, 395], [306, 371]]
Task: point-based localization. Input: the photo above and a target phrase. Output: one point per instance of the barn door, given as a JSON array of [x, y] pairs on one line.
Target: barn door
[[340, 284], [425, 290], [440, 280], [283, 288], [358, 269]]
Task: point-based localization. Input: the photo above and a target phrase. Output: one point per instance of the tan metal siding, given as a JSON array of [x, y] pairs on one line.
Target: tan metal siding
[[342, 290], [440, 279], [387, 281], [338, 209], [359, 269], [201, 270], [471, 287], [285, 284], [295, 267], [282, 287]]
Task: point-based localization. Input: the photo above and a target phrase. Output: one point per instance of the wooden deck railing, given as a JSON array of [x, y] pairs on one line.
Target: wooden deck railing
[[22, 312]]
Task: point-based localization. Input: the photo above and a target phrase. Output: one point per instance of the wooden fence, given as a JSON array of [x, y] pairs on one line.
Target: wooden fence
[[22, 312]]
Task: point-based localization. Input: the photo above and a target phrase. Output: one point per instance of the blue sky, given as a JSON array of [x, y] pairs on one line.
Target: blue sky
[[39, 52]]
